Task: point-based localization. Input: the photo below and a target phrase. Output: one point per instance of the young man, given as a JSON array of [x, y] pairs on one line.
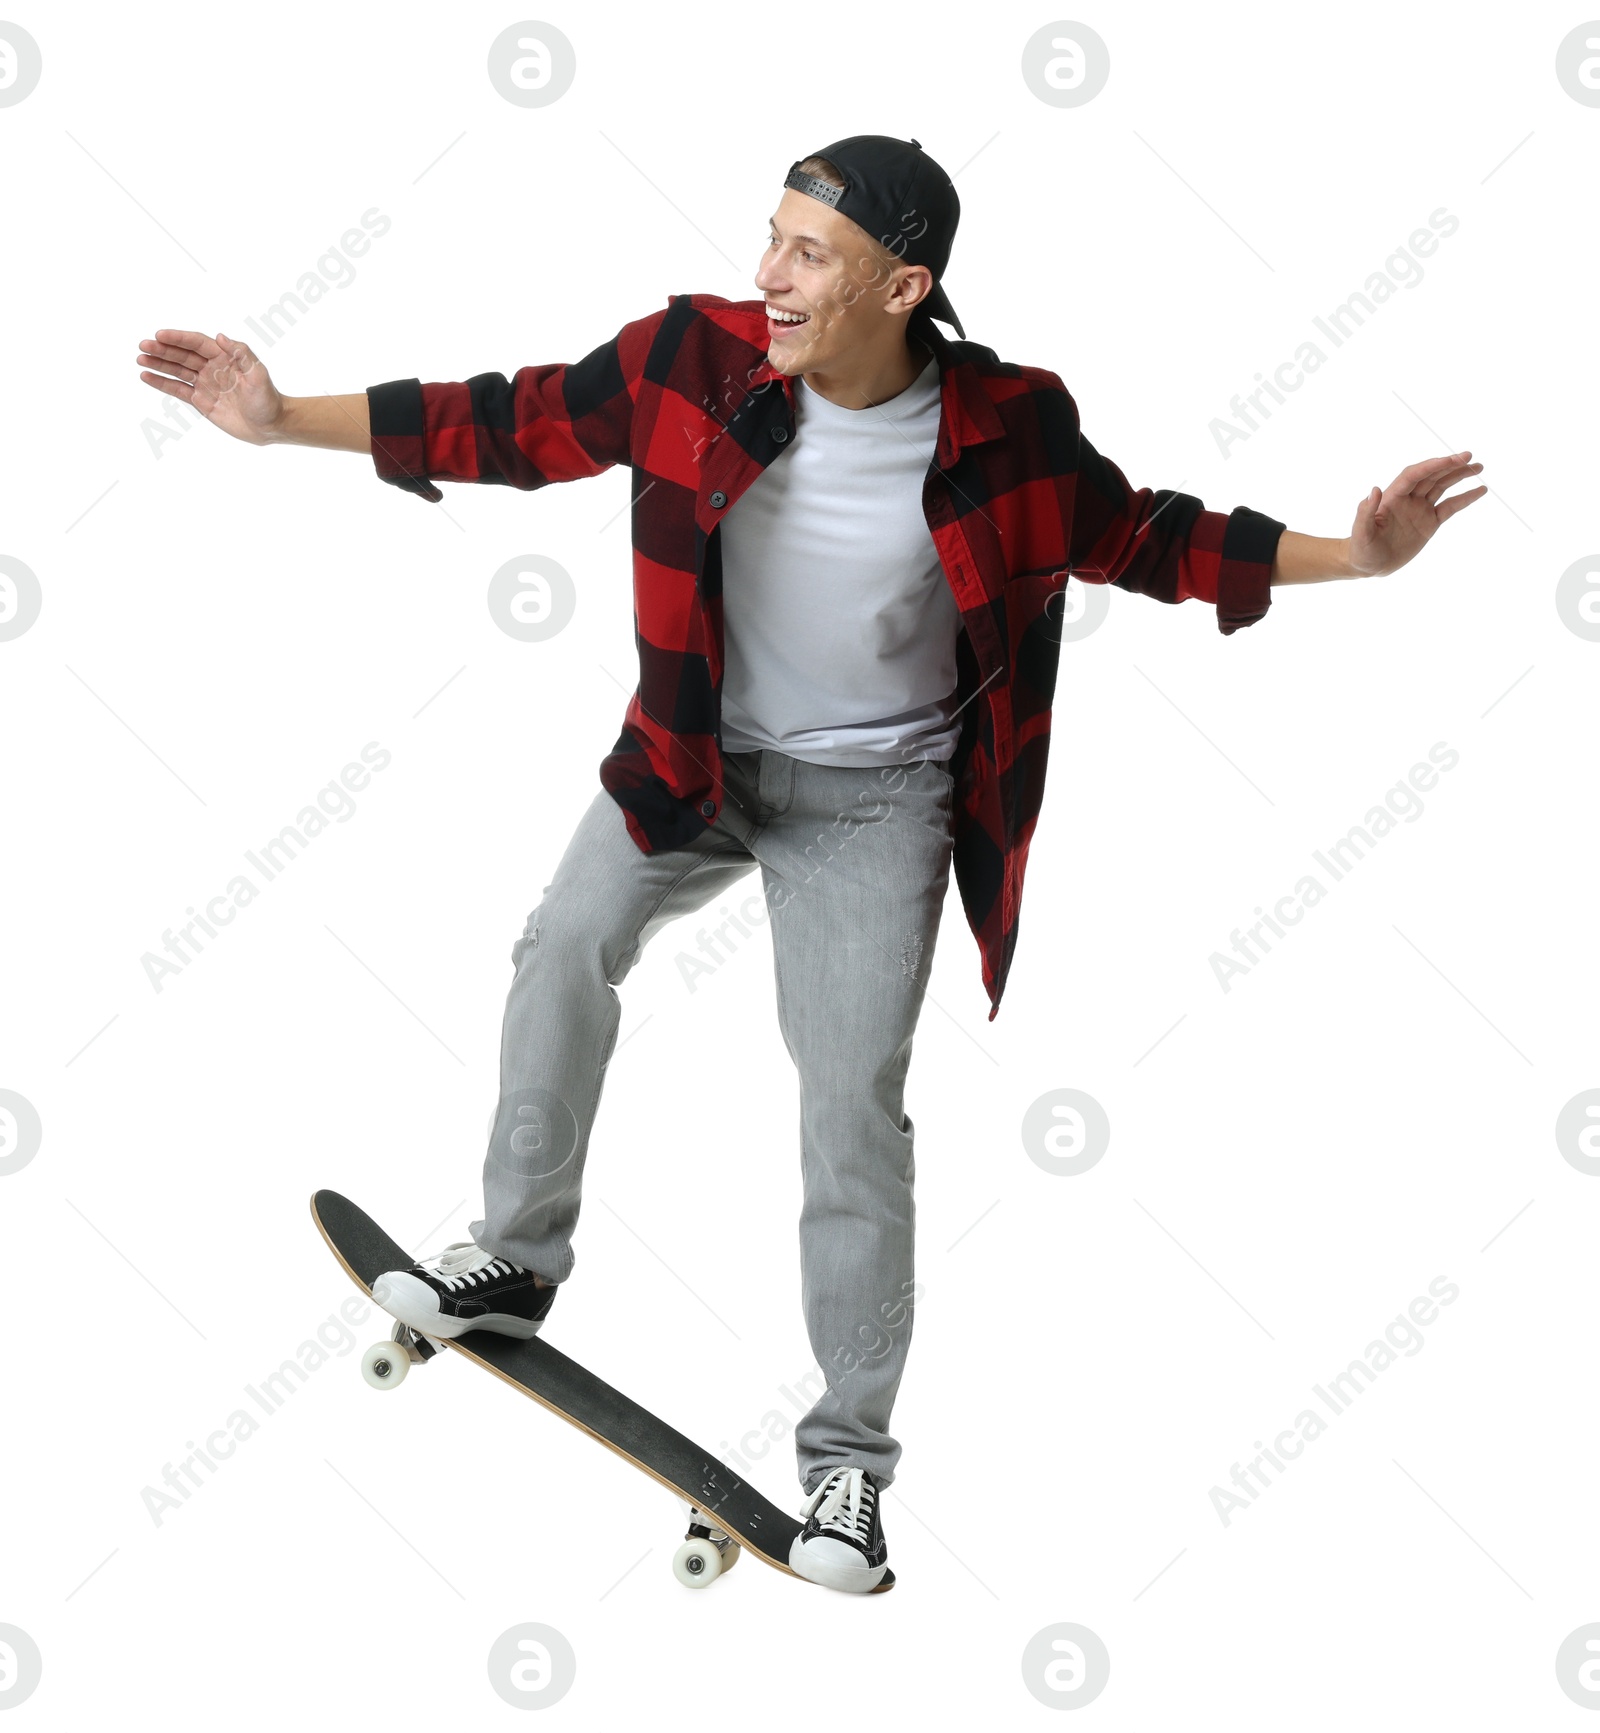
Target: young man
[[848, 534]]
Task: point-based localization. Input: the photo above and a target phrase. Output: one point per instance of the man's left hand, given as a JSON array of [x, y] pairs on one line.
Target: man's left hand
[[1394, 524]]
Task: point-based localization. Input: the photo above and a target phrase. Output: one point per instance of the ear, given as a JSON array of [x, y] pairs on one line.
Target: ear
[[914, 287]]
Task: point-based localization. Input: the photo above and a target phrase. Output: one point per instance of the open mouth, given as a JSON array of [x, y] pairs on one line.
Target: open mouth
[[786, 323]]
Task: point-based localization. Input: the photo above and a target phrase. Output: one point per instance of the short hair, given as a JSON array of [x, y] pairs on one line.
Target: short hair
[[823, 170]]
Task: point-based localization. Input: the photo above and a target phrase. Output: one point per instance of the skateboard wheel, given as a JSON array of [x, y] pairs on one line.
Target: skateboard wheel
[[385, 1364], [731, 1556], [697, 1564]]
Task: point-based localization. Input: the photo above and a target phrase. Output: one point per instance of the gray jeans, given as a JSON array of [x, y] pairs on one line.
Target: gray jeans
[[854, 865]]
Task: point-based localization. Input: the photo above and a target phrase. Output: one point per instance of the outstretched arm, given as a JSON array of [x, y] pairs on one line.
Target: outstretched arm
[[224, 380], [1392, 526], [553, 422]]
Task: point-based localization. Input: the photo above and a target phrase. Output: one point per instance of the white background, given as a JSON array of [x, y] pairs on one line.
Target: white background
[[223, 628]]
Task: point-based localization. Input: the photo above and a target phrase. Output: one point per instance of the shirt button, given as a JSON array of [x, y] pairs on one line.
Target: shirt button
[[779, 435], [719, 499], [708, 807]]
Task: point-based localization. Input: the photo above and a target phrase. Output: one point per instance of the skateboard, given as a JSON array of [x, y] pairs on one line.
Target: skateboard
[[741, 1519]]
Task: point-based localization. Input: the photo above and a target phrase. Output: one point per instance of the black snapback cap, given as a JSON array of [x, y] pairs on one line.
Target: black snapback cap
[[900, 196]]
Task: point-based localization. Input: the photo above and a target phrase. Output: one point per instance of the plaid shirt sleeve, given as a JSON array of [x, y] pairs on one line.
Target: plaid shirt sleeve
[[559, 421], [1167, 545]]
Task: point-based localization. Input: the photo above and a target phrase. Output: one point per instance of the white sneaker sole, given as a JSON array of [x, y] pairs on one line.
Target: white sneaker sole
[[416, 1305], [852, 1579]]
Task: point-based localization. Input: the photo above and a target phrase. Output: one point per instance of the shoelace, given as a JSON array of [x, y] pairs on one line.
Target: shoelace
[[844, 1503], [464, 1263]]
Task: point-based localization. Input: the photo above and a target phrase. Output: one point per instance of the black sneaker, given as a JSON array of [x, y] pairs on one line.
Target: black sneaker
[[465, 1288], [842, 1544]]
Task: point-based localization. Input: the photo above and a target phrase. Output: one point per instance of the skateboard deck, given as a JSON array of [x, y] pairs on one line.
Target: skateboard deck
[[585, 1401]]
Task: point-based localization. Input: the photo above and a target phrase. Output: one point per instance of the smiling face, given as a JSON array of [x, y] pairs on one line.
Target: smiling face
[[852, 296]]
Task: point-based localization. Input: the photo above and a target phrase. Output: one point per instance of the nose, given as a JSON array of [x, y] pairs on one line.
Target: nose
[[768, 278]]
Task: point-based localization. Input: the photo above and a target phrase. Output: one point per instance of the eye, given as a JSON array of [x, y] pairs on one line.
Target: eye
[[810, 258]]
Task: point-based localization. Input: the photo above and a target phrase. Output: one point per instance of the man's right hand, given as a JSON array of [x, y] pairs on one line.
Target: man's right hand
[[223, 379], [219, 377]]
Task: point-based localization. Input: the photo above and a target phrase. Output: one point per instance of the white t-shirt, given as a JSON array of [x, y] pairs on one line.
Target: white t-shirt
[[839, 626]]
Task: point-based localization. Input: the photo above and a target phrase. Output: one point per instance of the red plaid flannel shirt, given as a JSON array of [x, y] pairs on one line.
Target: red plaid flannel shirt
[[1016, 499]]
